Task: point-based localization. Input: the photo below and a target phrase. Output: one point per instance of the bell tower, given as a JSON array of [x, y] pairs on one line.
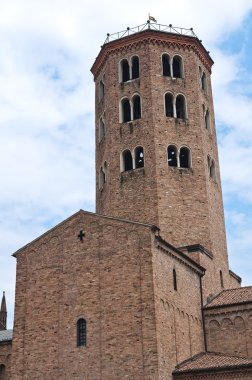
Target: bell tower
[[156, 149]]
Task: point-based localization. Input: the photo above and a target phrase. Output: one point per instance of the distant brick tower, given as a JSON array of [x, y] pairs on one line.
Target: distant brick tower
[[3, 314], [156, 150]]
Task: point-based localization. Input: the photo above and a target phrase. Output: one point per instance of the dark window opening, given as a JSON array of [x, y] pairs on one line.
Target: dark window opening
[[203, 82], [169, 105], [126, 116], [175, 280], [177, 67], [102, 177], [172, 156], [135, 67], [207, 120], [180, 107], [221, 279], [139, 157], [212, 170], [127, 160], [166, 65], [136, 107], [184, 158], [125, 70], [81, 332]]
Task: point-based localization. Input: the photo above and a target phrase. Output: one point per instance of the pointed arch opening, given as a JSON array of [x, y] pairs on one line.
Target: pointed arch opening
[[127, 160], [212, 171], [177, 67], [81, 332], [102, 177], [136, 107], [125, 110], [166, 65], [169, 105], [184, 157], [172, 155], [139, 157], [135, 67], [125, 71]]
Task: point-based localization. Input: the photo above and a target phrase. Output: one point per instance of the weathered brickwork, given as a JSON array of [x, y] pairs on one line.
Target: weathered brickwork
[[5, 360], [185, 203], [106, 279], [229, 329], [178, 312]]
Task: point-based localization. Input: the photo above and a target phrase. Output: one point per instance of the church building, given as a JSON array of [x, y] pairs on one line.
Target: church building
[[141, 289]]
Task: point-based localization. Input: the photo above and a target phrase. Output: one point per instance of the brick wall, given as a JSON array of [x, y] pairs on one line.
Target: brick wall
[[225, 375], [229, 330], [5, 360], [185, 203], [107, 280]]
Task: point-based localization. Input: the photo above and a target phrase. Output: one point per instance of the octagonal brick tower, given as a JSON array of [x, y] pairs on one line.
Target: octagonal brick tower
[[156, 150]]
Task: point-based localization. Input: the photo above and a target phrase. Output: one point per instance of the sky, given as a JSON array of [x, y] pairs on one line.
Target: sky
[[47, 167]]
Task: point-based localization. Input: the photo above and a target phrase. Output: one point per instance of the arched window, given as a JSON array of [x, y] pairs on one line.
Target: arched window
[[177, 66], [184, 157], [221, 279], [139, 157], [102, 178], [169, 105], [135, 67], [172, 155], [101, 90], [175, 280], [166, 65], [81, 332], [127, 160], [136, 107], [125, 73], [125, 108], [212, 170], [180, 107], [207, 120], [2, 372], [203, 82], [101, 129]]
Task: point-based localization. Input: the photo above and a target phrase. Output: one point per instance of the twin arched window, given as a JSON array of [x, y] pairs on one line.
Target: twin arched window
[[81, 332], [172, 67], [179, 157], [130, 110], [175, 106], [129, 70], [131, 161]]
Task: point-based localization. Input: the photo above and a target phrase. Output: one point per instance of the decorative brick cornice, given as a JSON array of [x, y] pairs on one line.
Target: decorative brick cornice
[[151, 37]]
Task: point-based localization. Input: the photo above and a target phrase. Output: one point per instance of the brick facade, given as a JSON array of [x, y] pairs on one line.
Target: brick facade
[[144, 266], [185, 203], [5, 360]]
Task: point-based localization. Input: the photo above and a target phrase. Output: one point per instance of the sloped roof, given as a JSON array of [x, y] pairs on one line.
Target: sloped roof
[[212, 361], [231, 297], [6, 335]]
